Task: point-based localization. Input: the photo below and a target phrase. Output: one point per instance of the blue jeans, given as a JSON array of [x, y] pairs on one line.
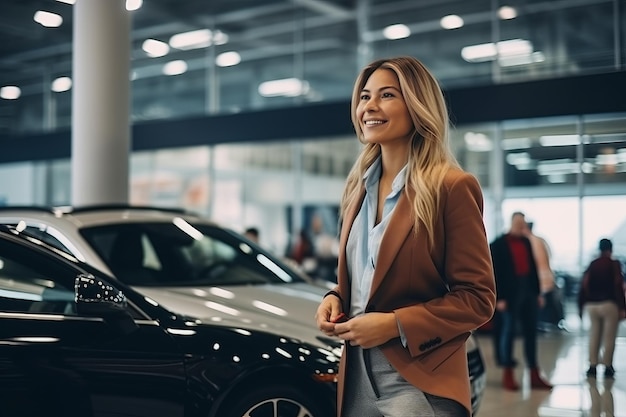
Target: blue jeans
[[523, 312]]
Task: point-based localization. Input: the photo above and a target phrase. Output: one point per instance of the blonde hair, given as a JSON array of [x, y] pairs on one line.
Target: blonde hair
[[429, 156]]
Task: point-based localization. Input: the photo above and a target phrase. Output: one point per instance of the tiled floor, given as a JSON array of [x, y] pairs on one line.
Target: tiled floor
[[563, 359]]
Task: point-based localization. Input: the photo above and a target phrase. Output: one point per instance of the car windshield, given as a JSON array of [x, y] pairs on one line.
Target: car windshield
[[180, 254]]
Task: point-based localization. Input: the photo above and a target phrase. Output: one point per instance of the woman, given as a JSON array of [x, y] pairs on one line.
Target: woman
[[602, 296], [414, 271]]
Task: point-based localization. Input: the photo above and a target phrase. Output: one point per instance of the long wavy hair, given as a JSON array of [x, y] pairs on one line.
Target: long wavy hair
[[430, 156]]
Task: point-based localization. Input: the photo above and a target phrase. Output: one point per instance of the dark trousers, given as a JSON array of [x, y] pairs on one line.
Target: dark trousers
[[522, 312]]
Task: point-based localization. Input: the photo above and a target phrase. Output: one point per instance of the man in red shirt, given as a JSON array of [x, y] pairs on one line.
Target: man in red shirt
[[519, 298]]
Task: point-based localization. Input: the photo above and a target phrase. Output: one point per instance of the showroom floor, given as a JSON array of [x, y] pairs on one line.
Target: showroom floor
[[563, 359]]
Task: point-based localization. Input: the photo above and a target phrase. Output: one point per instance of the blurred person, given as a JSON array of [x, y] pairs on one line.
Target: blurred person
[[542, 254], [302, 249], [519, 300], [414, 270], [601, 295], [325, 250], [252, 233], [552, 311]]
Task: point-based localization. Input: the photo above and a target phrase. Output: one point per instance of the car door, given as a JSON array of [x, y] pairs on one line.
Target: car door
[[56, 362]]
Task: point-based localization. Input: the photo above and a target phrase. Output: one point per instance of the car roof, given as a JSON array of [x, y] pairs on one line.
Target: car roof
[[11, 234], [95, 215]]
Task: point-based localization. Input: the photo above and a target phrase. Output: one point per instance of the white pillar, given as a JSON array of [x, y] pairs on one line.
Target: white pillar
[[100, 103]]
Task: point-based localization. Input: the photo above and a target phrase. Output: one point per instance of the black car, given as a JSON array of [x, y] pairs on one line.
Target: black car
[[76, 342]]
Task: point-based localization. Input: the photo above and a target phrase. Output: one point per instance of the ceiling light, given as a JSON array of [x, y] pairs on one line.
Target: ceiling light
[[398, 31], [521, 161], [518, 158], [61, 84], [48, 19], [451, 21], [228, 59], [558, 166], [520, 49], [155, 48], [509, 61], [175, 67], [191, 40], [479, 53], [10, 92], [133, 4], [477, 142], [507, 12], [220, 38], [514, 47], [559, 140], [290, 87], [516, 143]]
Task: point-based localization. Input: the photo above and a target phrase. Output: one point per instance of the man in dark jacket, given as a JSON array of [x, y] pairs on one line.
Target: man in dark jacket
[[519, 298]]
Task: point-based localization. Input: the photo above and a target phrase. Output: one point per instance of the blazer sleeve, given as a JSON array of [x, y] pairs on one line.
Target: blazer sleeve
[[467, 269]]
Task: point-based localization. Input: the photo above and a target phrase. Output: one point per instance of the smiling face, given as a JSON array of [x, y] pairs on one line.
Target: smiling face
[[382, 112]]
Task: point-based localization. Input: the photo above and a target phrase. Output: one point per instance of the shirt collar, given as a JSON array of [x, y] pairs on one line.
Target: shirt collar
[[372, 175]]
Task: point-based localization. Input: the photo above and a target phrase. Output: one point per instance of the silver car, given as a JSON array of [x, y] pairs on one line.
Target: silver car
[[193, 266]]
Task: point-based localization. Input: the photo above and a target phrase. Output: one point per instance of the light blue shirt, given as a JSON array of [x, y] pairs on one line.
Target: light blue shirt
[[365, 237]]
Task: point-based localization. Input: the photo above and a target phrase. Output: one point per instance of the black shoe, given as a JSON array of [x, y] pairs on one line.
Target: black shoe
[[609, 372], [591, 372]]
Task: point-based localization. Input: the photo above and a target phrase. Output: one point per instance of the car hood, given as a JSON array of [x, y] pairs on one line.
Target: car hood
[[284, 309]]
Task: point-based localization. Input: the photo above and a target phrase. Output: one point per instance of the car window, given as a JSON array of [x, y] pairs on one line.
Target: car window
[[31, 283], [44, 234], [158, 254]]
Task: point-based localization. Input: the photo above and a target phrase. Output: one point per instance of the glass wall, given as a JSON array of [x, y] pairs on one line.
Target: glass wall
[[567, 174]]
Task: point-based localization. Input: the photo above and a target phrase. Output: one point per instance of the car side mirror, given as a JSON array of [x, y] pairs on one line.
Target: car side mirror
[[97, 298]]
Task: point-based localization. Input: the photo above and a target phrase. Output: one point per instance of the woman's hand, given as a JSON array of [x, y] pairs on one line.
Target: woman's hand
[[328, 310], [368, 330]]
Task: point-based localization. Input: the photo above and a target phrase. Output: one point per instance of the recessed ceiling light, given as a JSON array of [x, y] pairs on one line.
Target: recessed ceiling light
[[559, 140], [48, 19], [507, 12], [133, 4], [175, 67], [509, 49], [228, 59], [289, 87], [192, 40], [398, 31], [220, 38], [155, 48], [451, 21], [61, 84], [10, 92]]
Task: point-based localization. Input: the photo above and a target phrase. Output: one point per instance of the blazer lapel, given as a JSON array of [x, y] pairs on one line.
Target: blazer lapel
[[400, 225]]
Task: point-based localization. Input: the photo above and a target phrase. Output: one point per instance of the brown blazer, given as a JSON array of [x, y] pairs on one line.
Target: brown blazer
[[413, 282]]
